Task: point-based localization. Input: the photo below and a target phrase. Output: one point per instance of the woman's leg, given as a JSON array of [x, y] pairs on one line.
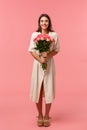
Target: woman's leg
[[47, 110], [46, 117], [39, 108]]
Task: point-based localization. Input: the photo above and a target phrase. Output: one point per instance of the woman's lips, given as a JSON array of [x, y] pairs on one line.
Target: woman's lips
[[44, 25]]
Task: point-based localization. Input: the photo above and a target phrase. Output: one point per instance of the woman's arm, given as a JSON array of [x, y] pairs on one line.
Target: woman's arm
[[38, 58], [51, 54]]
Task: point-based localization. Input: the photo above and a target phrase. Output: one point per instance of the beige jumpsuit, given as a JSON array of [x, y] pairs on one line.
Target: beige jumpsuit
[[39, 75]]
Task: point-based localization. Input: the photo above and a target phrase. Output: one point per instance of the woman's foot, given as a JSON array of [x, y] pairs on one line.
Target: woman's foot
[[40, 121], [46, 121]]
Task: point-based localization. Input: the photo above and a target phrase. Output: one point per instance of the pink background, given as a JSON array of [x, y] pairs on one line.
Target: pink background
[[18, 19]]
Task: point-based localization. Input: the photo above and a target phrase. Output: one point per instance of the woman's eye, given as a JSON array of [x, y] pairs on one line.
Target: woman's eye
[[44, 21]]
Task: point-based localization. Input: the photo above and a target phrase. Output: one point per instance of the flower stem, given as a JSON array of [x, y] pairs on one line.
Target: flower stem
[[44, 66]]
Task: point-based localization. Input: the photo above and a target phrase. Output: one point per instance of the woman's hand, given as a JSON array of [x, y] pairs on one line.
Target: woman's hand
[[44, 54], [43, 59]]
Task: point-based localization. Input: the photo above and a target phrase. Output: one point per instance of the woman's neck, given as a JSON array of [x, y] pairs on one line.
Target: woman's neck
[[44, 32]]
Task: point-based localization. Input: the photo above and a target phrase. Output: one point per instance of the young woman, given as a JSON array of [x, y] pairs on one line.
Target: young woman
[[43, 84]]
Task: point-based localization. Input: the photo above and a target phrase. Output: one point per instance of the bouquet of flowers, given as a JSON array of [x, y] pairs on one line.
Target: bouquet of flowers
[[43, 43]]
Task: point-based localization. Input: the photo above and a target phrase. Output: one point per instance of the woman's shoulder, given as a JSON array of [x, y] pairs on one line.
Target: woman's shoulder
[[35, 33], [54, 34]]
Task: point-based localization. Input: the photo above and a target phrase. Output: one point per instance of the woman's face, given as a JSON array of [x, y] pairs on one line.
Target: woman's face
[[44, 23]]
